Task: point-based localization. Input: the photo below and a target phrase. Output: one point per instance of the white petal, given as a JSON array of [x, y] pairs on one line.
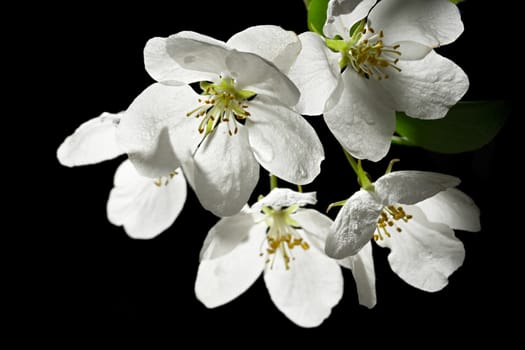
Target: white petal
[[254, 73], [198, 53], [307, 291], [272, 43], [188, 166], [226, 171], [223, 279], [428, 22], [410, 187], [343, 14], [427, 88], [144, 133], [452, 208], [184, 135], [315, 72], [185, 57], [283, 142], [313, 223], [92, 142], [360, 115], [161, 67], [354, 225], [227, 234], [412, 50], [279, 198], [250, 71], [142, 207], [424, 254], [362, 266]]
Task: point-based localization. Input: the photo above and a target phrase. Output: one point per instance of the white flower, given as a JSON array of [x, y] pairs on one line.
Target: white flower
[[144, 206], [284, 242], [385, 53], [413, 213], [242, 119]]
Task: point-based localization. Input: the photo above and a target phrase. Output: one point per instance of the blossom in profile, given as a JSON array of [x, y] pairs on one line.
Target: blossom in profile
[[413, 213]]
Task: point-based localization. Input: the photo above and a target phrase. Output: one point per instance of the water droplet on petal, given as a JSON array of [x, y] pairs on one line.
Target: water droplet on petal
[[189, 59]]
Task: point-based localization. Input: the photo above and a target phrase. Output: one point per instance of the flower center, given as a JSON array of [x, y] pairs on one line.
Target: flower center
[[366, 52], [282, 236], [221, 102], [165, 180], [387, 219]]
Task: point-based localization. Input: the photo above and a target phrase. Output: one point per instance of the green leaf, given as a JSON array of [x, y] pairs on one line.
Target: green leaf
[[317, 15], [456, 1], [467, 127]]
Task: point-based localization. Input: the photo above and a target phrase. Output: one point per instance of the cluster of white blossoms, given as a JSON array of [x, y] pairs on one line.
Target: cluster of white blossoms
[[219, 111]]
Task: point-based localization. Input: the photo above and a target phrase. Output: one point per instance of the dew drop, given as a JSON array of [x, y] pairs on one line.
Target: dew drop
[[189, 59]]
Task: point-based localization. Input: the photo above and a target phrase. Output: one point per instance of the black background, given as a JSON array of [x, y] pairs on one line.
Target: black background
[[91, 280]]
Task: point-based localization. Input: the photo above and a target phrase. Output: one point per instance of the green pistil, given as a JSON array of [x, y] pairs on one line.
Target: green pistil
[[222, 103]]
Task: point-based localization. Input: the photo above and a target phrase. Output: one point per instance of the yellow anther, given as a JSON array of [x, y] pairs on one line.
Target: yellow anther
[[368, 55], [161, 181], [387, 219], [223, 103], [283, 236]]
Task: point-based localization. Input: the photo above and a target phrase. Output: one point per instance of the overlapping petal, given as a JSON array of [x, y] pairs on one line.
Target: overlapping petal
[[315, 72], [362, 266], [424, 254], [144, 134], [428, 22], [272, 43], [221, 279], [160, 54], [343, 14], [354, 225], [144, 208], [427, 93], [255, 74], [313, 223], [453, 208], [410, 186], [308, 291], [283, 142], [280, 198], [228, 233], [360, 115], [225, 171]]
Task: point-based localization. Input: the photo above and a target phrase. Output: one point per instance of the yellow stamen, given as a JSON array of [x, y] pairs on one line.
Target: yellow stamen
[[282, 236], [387, 219], [223, 103], [369, 56]]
